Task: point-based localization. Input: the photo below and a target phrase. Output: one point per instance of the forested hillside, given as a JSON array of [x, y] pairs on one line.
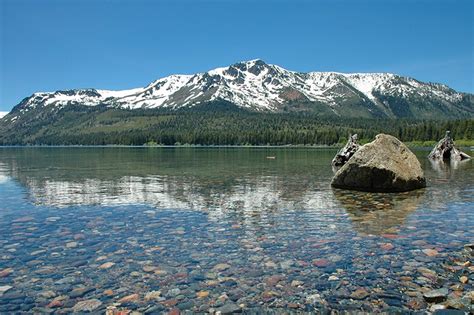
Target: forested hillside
[[213, 125]]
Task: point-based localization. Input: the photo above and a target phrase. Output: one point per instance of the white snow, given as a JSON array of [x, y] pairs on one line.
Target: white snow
[[3, 114], [217, 71], [156, 93], [366, 83], [118, 94], [63, 99]]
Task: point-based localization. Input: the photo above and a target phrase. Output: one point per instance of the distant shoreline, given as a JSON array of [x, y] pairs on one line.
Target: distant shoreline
[[409, 144]]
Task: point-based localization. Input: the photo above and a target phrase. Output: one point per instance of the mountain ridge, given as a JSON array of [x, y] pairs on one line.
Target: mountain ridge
[[257, 86]]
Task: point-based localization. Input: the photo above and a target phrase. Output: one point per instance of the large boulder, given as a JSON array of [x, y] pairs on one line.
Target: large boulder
[[384, 165]]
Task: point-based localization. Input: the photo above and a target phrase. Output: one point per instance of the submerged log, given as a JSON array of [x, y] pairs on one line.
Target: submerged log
[[446, 150], [346, 152]]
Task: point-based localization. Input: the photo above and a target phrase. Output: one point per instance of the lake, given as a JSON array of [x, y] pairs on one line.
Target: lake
[[225, 229]]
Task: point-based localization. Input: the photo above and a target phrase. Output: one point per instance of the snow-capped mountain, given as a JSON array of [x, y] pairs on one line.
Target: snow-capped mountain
[[258, 86]]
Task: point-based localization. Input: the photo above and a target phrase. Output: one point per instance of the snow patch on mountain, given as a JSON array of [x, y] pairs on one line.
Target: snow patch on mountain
[[155, 94], [3, 114], [368, 82]]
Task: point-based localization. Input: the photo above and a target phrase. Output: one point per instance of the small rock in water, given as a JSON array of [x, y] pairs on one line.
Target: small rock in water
[[71, 244], [109, 292], [79, 236], [470, 295], [436, 296], [229, 308], [4, 288], [270, 264], [106, 265], [80, 291], [53, 219], [273, 280], [321, 262], [6, 272], [55, 303], [387, 246], [202, 294], [457, 303], [174, 311], [37, 252], [463, 279], [152, 295], [149, 268], [430, 252], [174, 292], [23, 219], [129, 298], [313, 299], [221, 267], [87, 305], [333, 278], [160, 272], [416, 304], [135, 274], [170, 303], [47, 294], [359, 294]]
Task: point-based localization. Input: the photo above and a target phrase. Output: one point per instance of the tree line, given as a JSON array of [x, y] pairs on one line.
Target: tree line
[[223, 127]]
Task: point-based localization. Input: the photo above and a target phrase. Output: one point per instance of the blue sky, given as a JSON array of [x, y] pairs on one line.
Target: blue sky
[[50, 45]]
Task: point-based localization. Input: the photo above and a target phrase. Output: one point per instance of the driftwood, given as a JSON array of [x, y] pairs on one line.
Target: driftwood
[[445, 150], [346, 152]]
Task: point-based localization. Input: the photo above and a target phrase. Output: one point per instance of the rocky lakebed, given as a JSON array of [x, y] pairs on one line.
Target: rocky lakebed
[[185, 231]]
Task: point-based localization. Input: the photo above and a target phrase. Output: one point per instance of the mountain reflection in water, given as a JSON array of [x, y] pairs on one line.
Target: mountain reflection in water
[[216, 181]]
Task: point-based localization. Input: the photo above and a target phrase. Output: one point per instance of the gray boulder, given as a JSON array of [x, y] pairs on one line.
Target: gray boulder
[[384, 165]]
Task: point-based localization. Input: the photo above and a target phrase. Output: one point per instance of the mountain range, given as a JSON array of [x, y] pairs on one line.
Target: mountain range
[[252, 87], [258, 86]]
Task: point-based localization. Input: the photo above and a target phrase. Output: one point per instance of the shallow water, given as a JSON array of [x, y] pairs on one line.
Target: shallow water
[[220, 227]]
